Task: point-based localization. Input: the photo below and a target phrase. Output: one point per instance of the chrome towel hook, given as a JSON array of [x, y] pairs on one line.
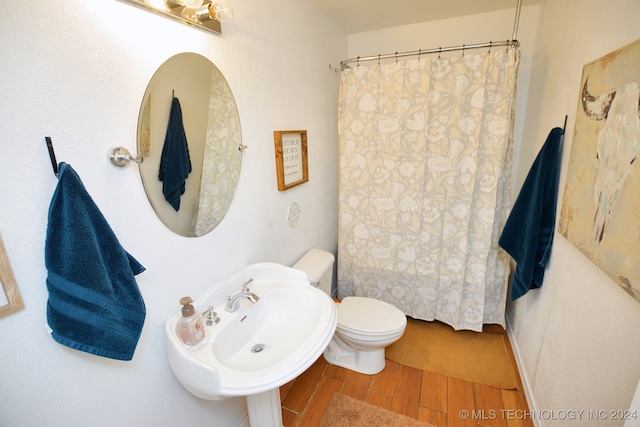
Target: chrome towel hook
[[121, 157]]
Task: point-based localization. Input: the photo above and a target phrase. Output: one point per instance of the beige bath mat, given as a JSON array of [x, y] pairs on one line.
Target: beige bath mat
[[482, 358], [345, 411]]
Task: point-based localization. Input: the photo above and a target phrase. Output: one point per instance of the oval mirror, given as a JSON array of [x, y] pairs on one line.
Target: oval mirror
[[200, 166]]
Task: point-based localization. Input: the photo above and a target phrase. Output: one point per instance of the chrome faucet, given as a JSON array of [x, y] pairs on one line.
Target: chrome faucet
[[234, 301]]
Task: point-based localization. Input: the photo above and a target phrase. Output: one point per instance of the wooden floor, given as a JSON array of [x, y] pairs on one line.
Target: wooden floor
[[436, 399]]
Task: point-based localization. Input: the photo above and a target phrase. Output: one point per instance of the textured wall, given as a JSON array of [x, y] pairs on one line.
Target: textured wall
[[76, 71], [577, 336]]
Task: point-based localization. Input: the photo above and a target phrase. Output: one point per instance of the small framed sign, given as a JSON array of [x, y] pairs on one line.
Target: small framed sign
[[10, 299], [292, 167]]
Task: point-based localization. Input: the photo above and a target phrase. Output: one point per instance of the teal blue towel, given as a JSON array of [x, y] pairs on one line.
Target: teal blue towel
[[528, 233], [175, 164], [94, 302]]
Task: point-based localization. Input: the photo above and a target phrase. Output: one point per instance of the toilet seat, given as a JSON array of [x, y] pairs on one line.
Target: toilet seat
[[371, 317]]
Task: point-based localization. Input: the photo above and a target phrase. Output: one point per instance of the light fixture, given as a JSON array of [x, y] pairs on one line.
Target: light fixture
[[221, 10], [184, 3], [191, 3], [217, 10], [204, 14]]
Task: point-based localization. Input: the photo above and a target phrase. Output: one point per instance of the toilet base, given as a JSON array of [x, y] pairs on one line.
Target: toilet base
[[367, 362]]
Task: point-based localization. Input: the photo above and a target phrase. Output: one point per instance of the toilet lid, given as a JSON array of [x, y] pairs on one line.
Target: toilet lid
[[369, 315]]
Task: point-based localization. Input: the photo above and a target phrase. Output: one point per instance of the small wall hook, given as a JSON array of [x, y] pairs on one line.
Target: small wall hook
[[121, 157], [52, 155]]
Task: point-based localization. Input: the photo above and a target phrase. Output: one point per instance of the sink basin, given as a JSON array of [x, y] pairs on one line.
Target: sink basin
[[261, 345]]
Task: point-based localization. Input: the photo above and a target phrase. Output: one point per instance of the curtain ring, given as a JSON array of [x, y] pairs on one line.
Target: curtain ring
[[490, 44], [378, 60], [358, 61], [439, 52], [396, 57], [463, 51], [419, 52]]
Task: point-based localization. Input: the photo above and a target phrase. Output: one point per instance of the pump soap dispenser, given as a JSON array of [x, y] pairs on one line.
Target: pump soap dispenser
[[190, 326]]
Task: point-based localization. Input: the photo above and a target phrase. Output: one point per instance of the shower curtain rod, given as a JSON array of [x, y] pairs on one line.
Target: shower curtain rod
[[345, 64], [508, 43]]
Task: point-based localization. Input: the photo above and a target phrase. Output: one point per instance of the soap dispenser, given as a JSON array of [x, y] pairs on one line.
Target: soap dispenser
[[190, 327]]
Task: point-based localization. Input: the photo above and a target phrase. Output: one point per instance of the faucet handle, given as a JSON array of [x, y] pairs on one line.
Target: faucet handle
[[211, 316], [245, 285]]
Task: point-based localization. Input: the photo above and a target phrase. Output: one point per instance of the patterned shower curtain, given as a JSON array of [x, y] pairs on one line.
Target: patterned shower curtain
[[424, 189], [223, 130]]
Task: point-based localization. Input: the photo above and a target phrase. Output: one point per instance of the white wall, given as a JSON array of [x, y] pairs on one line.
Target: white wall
[[577, 336], [76, 71]]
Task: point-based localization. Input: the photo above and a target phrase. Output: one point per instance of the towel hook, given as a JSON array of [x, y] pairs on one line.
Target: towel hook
[[52, 155], [121, 157]]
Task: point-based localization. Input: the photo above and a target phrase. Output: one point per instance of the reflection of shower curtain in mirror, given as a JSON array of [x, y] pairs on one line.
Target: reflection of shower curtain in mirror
[[424, 188], [217, 175]]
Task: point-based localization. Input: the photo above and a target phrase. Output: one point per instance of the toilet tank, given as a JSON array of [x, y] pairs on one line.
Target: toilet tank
[[318, 265]]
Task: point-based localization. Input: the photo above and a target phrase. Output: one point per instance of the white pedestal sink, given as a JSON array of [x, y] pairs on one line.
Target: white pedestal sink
[[260, 346], [264, 409]]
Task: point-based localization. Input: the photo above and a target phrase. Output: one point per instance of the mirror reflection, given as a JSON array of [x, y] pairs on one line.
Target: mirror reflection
[[210, 143]]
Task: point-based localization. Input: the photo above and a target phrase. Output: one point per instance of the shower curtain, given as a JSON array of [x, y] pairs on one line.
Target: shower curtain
[[217, 176], [425, 149]]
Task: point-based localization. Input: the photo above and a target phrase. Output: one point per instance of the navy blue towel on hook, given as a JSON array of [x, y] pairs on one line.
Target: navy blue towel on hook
[[94, 302], [528, 233], [175, 164]]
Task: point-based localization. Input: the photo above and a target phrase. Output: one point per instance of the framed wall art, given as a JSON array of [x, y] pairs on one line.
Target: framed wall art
[[291, 158], [600, 206], [10, 299]]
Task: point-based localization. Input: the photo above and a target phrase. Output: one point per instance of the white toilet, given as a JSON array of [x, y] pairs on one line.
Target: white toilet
[[365, 325]]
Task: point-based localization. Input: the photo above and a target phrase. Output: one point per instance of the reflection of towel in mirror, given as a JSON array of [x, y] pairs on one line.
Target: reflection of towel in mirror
[[175, 164], [94, 302], [528, 232]]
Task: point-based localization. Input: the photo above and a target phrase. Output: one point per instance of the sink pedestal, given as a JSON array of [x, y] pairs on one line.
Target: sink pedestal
[[265, 409]]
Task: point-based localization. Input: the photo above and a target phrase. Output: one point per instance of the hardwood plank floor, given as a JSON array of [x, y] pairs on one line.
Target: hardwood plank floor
[[426, 396]]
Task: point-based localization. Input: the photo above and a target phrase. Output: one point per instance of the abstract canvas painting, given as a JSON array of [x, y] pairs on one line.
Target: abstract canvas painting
[[601, 205]]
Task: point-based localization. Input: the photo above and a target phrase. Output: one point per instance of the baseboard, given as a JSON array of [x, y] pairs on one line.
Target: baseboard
[[524, 377]]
